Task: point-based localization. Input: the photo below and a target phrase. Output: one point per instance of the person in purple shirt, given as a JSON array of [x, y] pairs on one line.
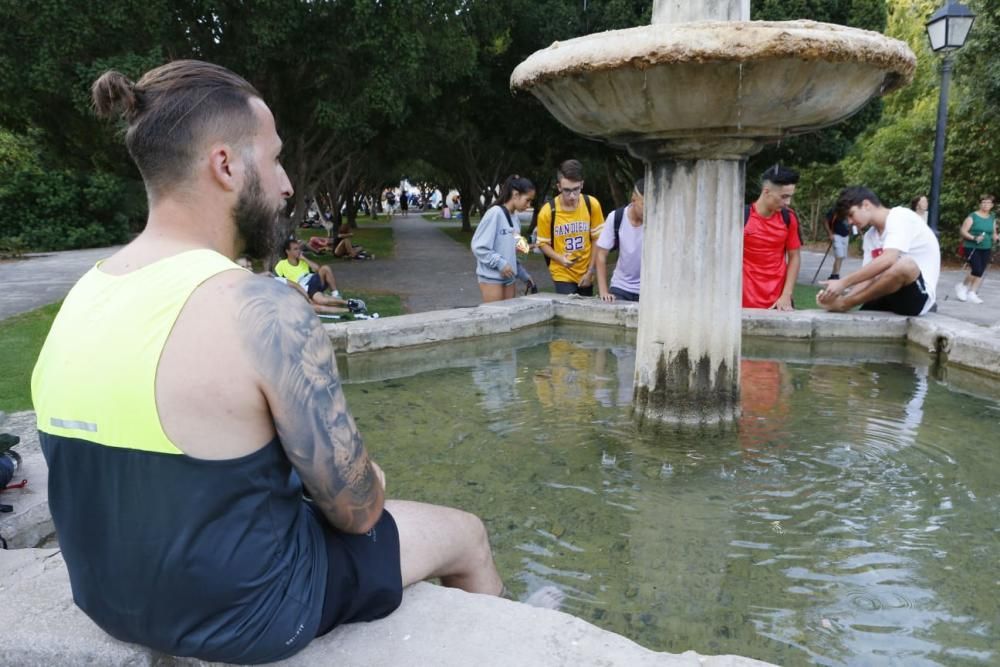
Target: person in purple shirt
[[622, 230]]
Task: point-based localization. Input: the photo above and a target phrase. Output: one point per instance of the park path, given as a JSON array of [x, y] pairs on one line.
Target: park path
[[429, 271]]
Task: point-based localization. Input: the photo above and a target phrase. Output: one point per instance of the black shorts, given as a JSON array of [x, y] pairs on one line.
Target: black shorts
[[314, 285], [572, 288], [363, 579], [907, 300], [979, 259]]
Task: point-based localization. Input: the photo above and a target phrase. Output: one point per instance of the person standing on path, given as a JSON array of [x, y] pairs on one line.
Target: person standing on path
[[568, 227], [979, 233], [840, 235], [495, 242], [771, 243], [185, 406], [622, 230]]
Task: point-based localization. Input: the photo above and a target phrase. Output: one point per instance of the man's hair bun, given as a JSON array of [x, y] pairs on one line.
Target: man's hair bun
[[114, 95]]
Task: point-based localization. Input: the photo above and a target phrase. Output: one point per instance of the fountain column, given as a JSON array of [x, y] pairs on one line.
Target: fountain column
[[681, 11], [693, 95], [688, 347], [687, 367]]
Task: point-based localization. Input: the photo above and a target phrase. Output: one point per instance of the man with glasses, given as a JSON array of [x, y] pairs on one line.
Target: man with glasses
[[568, 227]]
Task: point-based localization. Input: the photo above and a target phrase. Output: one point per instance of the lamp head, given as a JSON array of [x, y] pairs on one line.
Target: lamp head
[[949, 27]]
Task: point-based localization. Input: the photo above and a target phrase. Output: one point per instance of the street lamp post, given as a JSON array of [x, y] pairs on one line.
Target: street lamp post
[[947, 31]]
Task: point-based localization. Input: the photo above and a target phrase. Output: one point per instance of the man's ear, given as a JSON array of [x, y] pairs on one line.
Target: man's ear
[[225, 167]]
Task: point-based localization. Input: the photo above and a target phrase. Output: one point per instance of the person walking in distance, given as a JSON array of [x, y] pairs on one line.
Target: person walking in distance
[[979, 233]]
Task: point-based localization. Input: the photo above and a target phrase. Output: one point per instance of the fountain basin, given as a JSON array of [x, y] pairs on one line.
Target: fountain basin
[[696, 85]]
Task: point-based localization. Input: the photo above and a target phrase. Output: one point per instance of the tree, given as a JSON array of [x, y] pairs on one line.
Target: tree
[[336, 74], [829, 145]]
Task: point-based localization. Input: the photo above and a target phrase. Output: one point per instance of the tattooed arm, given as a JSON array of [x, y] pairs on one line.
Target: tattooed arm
[[298, 376]]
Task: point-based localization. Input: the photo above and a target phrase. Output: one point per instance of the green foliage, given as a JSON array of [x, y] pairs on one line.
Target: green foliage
[[895, 157], [831, 144], [56, 209]]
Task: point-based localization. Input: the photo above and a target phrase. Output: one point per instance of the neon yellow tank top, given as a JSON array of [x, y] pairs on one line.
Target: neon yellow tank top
[[99, 360]]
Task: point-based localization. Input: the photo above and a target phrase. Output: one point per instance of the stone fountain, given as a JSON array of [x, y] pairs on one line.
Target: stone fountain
[[693, 95]]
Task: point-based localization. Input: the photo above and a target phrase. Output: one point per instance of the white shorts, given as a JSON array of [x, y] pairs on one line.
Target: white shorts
[[840, 246]]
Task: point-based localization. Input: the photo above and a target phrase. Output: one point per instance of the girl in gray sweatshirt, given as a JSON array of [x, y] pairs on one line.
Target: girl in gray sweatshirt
[[494, 243]]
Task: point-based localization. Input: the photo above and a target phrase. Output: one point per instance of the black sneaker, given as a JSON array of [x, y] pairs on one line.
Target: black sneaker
[[834, 276], [356, 305], [531, 288]]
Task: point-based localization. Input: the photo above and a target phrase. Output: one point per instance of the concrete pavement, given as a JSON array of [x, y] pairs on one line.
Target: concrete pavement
[[39, 279], [430, 271]]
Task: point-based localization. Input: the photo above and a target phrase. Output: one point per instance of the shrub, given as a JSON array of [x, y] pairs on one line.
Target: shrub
[[59, 209]]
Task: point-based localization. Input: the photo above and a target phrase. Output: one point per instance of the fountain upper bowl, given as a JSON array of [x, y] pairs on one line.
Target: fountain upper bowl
[[712, 86]]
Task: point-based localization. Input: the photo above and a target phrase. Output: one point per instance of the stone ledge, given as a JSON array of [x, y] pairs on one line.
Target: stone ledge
[[953, 341], [434, 626]]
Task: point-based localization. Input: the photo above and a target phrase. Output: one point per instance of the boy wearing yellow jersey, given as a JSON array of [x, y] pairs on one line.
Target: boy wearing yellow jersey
[[567, 237]]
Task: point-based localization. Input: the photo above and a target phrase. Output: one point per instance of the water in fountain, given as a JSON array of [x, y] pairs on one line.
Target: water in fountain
[[850, 519]]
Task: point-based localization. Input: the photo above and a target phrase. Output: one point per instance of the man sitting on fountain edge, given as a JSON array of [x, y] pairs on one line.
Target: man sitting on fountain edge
[[184, 405], [771, 243], [902, 259]]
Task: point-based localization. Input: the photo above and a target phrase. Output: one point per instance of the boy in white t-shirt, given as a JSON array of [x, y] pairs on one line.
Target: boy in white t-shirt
[[902, 259]]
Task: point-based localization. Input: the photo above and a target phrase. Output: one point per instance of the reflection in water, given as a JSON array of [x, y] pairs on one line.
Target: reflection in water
[[850, 520]]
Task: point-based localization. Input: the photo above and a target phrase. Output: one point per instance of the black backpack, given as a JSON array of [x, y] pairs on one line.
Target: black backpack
[[552, 207], [619, 216]]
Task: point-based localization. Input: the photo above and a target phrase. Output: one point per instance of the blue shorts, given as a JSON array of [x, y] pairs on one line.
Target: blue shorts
[[496, 281], [624, 295], [363, 578]]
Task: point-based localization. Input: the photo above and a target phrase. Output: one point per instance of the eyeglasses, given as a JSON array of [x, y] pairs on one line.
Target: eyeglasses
[[571, 191]]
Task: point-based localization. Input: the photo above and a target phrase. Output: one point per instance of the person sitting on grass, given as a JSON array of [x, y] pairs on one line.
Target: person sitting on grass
[[314, 278], [245, 263], [345, 248], [902, 259]]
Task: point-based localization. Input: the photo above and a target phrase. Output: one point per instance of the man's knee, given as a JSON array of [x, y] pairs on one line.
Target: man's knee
[[478, 539], [905, 269]]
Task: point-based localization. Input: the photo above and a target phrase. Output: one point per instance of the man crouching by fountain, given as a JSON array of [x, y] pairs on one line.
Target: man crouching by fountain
[[902, 259], [185, 405]]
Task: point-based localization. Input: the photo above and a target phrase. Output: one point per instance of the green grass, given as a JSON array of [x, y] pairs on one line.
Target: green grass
[[21, 339], [805, 296], [386, 305], [456, 234], [378, 241]]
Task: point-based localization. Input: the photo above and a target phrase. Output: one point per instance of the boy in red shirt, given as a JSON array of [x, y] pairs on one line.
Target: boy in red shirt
[[771, 243]]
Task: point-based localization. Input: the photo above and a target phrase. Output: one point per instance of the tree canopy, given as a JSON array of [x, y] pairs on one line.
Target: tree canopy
[[365, 93]]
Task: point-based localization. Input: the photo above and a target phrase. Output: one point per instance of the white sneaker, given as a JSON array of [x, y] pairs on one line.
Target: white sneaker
[[961, 291], [974, 298]]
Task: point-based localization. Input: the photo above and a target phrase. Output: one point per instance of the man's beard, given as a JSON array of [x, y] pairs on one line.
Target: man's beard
[[256, 222]]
